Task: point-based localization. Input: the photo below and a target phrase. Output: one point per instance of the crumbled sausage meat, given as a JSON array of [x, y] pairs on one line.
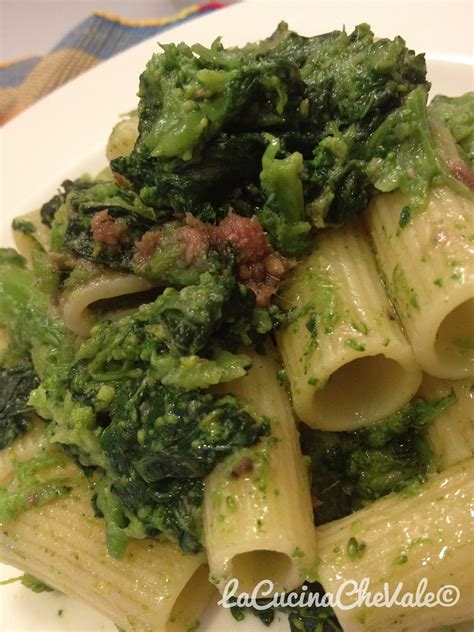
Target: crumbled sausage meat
[[107, 230], [245, 235], [146, 247]]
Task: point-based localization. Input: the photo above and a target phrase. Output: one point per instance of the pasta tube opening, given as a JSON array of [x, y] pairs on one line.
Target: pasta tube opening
[[361, 390], [63, 544], [258, 516], [190, 602], [346, 356], [252, 567], [117, 306], [78, 305], [454, 340]]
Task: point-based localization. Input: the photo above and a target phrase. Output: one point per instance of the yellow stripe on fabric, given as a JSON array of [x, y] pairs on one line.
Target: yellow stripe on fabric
[[53, 70], [148, 22], [17, 60]]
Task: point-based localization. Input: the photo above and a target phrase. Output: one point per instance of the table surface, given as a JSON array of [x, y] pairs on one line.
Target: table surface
[[33, 27]]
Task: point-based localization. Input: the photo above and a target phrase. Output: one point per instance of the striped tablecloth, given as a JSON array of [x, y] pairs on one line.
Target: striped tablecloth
[[98, 37]]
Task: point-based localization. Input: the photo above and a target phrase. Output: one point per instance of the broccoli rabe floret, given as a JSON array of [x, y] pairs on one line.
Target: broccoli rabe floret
[[351, 469]]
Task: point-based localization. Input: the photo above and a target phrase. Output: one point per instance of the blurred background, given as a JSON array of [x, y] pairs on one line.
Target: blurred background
[[33, 27]]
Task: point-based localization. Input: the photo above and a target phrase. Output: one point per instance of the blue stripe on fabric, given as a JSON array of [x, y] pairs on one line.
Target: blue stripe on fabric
[[14, 74], [102, 38]]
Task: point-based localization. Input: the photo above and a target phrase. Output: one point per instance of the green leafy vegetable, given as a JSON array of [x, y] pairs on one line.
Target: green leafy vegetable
[[405, 153], [353, 77], [160, 444], [205, 116], [82, 199], [457, 114], [208, 184], [30, 582], [31, 486], [23, 226], [24, 310], [284, 214], [351, 469], [125, 403], [16, 384], [300, 618], [189, 94]]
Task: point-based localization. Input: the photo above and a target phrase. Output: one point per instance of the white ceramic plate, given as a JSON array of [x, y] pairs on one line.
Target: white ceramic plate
[[65, 133]]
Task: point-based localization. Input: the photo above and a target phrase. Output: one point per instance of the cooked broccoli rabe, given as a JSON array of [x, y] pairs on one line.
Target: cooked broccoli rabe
[[351, 469], [16, 384], [202, 114], [126, 403], [25, 311], [354, 77], [160, 444], [105, 224], [30, 582], [78, 202], [301, 132], [188, 95], [353, 83], [283, 214], [36, 482], [303, 106], [457, 114], [408, 154], [207, 185]]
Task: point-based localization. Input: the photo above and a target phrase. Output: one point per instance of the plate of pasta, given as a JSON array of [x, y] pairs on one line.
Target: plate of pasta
[[236, 330]]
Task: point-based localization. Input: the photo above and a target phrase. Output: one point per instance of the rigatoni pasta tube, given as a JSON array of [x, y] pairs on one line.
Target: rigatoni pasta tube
[[154, 588], [405, 539], [428, 270], [29, 233], [451, 435], [122, 138], [76, 304], [257, 510], [346, 357]]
